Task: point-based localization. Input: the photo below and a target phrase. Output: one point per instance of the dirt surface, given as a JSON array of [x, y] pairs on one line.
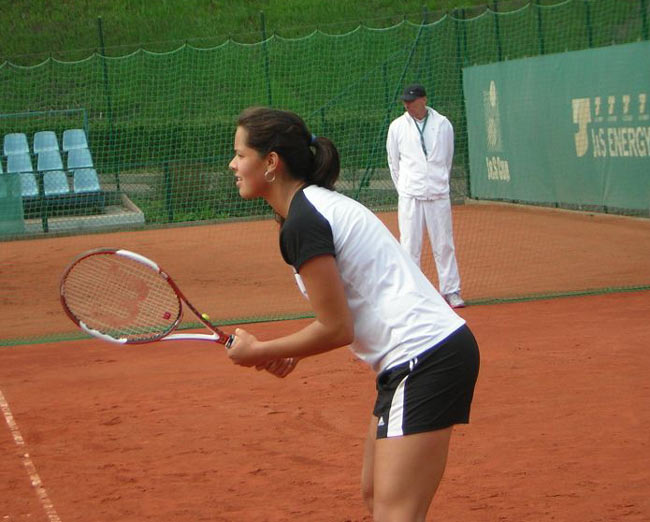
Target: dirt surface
[[175, 432], [234, 272]]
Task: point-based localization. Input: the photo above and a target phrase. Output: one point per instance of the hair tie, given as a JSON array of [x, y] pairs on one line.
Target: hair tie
[[313, 139]]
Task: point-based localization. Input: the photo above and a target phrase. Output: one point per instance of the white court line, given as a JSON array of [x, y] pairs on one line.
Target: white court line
[[29, 464]]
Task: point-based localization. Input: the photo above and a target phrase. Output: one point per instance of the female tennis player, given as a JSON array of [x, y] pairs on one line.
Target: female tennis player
[[367, 293]]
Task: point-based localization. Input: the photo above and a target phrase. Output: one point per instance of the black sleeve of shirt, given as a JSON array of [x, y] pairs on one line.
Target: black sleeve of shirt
[[305, 233]]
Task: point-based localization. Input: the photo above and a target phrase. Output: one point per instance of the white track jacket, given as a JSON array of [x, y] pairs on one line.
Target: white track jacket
[[415, 175]]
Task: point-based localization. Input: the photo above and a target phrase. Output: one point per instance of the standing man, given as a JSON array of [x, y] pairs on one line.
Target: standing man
[[420, 147]]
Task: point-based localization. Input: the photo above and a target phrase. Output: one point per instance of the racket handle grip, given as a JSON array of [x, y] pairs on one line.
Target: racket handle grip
[[230, 340]]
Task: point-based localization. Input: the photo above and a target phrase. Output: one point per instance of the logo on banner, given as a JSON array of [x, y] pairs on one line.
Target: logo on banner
[[492, 118], [613, 126], [498, 168]]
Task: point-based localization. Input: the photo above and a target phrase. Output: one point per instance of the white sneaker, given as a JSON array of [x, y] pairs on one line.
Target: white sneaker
[[455, 300]]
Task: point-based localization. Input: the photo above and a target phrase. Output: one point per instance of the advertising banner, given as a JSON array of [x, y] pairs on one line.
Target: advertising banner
[[571, 128]]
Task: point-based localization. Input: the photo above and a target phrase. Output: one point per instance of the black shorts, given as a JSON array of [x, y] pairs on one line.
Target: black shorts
[[431, 391]]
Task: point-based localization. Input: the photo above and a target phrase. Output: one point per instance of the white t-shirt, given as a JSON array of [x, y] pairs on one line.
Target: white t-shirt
[[397, 312]]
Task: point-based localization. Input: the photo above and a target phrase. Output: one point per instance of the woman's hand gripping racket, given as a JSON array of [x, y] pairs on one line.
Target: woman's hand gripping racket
[[122, 297]]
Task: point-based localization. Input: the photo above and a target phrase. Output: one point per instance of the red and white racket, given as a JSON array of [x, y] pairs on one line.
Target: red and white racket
[[123, 297]]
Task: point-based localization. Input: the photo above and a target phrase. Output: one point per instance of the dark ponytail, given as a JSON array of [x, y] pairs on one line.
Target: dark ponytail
[[326, 163], [311, 159]]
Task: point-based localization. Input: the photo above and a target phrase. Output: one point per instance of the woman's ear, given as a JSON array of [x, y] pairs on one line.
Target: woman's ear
[[272, 161]]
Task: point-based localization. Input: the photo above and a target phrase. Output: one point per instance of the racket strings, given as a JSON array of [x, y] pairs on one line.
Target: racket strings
[[120, 297]]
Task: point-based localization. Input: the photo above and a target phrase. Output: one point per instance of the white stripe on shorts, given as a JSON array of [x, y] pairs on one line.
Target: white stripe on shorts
[[396, 412]]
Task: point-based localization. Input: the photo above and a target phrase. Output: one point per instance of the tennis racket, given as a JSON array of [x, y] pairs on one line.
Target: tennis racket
[[123, 297]]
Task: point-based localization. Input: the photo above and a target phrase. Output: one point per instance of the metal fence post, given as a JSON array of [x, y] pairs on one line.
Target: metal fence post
[[109, 100], [267, 72], [497, 32], [540, 28]]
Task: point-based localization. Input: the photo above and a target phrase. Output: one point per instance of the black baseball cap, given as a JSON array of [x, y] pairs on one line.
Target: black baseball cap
[[413, 92]]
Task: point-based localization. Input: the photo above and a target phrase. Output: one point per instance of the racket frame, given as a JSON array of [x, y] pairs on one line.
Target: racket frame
[[217, 335]]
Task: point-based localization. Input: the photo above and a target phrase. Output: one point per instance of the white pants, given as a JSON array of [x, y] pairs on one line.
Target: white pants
[[413, 214]]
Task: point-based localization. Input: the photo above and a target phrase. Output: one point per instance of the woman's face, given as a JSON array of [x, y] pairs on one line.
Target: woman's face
[[248, 167]]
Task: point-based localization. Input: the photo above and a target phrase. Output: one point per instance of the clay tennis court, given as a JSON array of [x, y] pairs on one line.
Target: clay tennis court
[[175, 432]]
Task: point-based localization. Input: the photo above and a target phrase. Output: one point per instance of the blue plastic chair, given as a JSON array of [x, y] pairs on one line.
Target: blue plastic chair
[[28, 185], [22, 163], [49, 160], [19, 163], [85, 180], [15, 143], [55, 182], [45, 141], [79, 159], [74, 139]]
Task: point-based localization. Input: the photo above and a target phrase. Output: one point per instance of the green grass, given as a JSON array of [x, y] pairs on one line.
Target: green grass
[[69, 29]]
